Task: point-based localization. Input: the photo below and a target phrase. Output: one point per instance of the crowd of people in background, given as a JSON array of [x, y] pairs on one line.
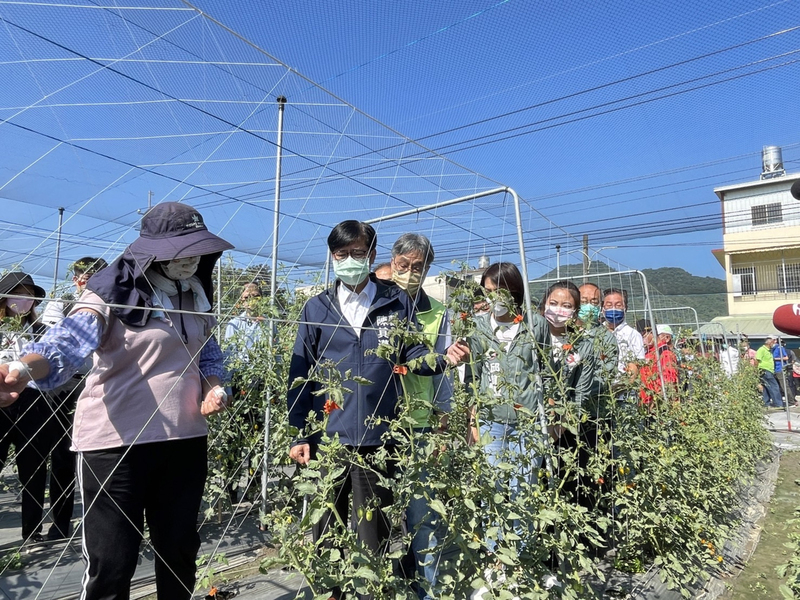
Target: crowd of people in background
[[119, 381]]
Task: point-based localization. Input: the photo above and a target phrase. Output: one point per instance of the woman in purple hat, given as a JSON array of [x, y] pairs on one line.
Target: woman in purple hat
[[26, 424], [140, 424]]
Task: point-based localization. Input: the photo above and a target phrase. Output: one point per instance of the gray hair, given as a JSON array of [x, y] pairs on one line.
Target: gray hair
[[411, 243]]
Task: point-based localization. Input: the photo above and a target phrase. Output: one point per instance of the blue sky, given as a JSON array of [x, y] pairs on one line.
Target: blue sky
[[615, 119]]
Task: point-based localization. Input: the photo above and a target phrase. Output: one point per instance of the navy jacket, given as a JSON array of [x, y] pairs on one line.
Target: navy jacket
[[325, 334]]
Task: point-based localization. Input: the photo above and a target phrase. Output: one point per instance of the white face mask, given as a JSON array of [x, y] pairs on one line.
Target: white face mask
[[499, 308], [181, 268]]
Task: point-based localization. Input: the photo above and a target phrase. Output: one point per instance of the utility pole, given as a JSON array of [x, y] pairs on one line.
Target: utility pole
[[585, 256], [558, 262]]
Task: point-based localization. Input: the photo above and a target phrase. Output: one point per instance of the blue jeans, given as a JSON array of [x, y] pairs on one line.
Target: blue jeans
[[507, 442], [771, 391], [427, 530]]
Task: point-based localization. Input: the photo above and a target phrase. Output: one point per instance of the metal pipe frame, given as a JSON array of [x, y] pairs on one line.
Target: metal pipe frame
[[273, 290]]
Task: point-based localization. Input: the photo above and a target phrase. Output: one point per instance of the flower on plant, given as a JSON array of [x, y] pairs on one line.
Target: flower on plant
[[400, 370], [330, 406]]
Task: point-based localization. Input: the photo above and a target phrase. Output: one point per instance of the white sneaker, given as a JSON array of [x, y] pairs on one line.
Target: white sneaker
[[551, 581], [478, 594]]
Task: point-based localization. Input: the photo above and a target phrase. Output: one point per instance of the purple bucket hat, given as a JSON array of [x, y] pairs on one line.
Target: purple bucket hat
[[169, 230], [172, 230]]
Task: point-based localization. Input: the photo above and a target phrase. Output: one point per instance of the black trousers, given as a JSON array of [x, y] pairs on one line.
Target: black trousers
[[28, 425], [62, 465], [162, 482], [362, 483]]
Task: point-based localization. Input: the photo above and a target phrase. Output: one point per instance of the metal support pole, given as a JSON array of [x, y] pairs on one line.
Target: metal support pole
[[58, 249], [781, 350], [558, 261], [273, 289], [327, 268], [219, 298]]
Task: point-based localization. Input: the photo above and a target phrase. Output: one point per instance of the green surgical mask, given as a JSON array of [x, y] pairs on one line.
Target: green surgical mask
[[589, 313], [351, 271]]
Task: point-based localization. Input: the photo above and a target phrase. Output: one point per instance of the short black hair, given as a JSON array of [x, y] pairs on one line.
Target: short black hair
[[506, 276], [621, 292], [347, 232], [88, 264], [643, 326]]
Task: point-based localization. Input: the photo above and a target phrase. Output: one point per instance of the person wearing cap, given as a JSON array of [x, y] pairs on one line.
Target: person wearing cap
[[140, 424], [659, 353], [28, 423], [770, 390]]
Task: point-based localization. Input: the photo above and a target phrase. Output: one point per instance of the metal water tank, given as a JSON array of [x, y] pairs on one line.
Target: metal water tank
[[483, 262], [771, 162]]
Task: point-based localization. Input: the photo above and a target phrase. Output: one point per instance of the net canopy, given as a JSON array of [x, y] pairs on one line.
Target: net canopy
[[121, 107]]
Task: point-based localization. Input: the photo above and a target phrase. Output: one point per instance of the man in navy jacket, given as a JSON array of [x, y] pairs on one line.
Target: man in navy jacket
[[340, 325]]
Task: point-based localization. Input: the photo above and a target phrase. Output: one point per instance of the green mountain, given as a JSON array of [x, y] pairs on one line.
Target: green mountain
[[667, 287], [706, 294]]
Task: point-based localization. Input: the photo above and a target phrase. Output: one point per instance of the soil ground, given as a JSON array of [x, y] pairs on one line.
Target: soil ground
[[759, 580]]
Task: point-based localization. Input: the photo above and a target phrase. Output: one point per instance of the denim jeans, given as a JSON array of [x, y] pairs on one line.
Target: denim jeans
[[771, 391], [428, 531], [506, 442]]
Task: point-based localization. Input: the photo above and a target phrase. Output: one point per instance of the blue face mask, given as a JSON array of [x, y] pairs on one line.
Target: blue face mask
[[588, 313], [615, 316]]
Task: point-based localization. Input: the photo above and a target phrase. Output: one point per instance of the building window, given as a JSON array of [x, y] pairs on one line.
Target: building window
[[744, 281], [789, 278], [764, 214]]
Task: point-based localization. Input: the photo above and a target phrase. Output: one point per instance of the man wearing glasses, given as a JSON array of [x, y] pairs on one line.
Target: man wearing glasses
[[412, 255], [340, 329]]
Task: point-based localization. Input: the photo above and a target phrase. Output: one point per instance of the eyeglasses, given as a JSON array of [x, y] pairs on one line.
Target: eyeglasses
[[405, 267], [357, 254]]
